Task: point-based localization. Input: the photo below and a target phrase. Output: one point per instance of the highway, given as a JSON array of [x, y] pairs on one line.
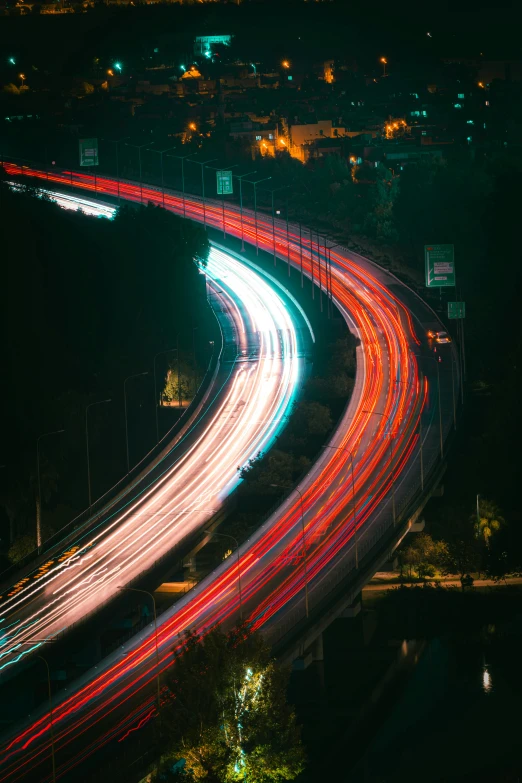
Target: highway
[[353, 495], [180, 496]]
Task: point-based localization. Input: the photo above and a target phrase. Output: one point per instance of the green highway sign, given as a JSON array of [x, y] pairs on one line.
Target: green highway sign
[[88, 152], [456, 309], [224, 183], [440, 265]]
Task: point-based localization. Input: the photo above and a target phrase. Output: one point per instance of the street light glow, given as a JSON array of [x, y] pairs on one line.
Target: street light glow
[[118, 66], [285, 64], [12, 61]]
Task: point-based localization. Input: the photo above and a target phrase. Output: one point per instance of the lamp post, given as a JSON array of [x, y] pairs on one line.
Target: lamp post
[[160, 353], [91, 404], [437, 361], [255, 183], [240, 178], [138, 590], [203, 163], [117, 142], [139, 147], [272, 191], [136, 375], [384, 62], [329, 269], [390, 436], [235, 165], [39, 507], [305, 563], [226, 535], [182, 158], [51, 724], [354, 507], [161, 153]]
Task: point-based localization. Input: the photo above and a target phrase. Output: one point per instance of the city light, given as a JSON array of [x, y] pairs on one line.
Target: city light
[[12, 61], [183, 68], [285, 64], [192, 126], [118, 67]]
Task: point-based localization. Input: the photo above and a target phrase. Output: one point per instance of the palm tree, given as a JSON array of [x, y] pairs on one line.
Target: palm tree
[[488, 520]]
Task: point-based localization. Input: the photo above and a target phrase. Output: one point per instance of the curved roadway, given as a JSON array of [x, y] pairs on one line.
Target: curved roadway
[[349, 499]]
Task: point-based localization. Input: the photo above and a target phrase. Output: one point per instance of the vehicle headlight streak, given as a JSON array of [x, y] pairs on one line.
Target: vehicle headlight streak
[[385, 409], [190, 490]]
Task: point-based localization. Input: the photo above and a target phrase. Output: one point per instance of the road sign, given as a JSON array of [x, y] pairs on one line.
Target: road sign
[[440, 265], [456, 309], [88, 152], [224, 183]]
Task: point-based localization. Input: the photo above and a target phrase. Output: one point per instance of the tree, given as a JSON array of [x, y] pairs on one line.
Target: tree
[[487, 521], [228, 718], [425, 555]]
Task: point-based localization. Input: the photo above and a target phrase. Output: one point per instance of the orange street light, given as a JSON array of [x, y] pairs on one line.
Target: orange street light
[[481, 84], [110, 72], [192, 126], [384, 62], [285, 64], [22, 77]]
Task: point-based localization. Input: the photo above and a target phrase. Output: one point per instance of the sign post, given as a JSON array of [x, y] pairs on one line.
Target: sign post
[[456, 310], [88, 152], [225, 186], [440, 266]]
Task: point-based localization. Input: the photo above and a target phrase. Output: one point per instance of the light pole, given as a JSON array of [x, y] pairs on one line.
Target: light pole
[[136, 375], [91, 404], [329, 268], [39, 507], [305, 563], [226, 535], [139, 147], [182, 158], [437, 361], [272, 191], [161, 153], [255, 183], [160, 353], [301, 252], [117, 142], [51, 724], [390, 436], [355, 534], [138, 590], [240, 178], [223, 192], [384, 62], [203, 163]]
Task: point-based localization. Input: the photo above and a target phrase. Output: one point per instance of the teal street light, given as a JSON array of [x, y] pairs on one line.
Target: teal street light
[[11, 61], [118, 67], [183, 68]]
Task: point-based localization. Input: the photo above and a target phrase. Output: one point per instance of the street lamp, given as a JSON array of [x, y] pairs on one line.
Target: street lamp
[[255, 183], [160, 353], [161, 153], [139, 147], [329, 277], [384, 62], [136, 375], [240, 178], [272, 191], [117, 142], [138, 590], [51, 725], [22, 77], [39, 507], [279, 486], [203, 163], [390, 436], [182, 158], [343, 448], [437, 361], [226, 535], [91, 404]]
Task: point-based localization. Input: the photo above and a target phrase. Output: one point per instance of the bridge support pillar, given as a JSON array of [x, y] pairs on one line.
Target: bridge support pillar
[[351, 611], [317, 649]]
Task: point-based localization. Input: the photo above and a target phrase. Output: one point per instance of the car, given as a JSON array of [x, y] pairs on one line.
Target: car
[[439, 337]]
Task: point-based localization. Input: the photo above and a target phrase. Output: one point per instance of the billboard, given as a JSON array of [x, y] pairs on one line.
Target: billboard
[[440, 265], [88, 152], [224, 183]]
